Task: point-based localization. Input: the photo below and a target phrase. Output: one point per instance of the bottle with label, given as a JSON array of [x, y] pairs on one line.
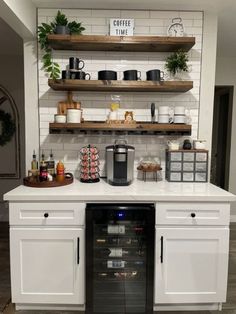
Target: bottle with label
[[43, 171], [34, 163], [122, 229], [42, 161], [51, 164], [114, 252], [60, 171]]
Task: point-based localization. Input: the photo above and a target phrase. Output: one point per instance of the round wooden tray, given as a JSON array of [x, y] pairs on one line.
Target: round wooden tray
[[35, 183]]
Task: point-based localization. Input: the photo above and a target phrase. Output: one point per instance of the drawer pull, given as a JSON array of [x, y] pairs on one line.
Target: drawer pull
[[78, 251], [193, 215], [46, 215], [161, 249]]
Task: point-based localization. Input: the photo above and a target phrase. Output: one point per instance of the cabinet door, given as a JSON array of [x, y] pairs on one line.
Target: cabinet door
[[191, 265], [47, 265]]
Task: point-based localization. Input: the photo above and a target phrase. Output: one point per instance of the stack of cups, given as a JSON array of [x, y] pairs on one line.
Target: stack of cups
[[163, 114], [179, 114]]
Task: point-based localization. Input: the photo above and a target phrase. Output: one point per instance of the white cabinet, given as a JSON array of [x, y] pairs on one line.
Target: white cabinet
[[47, 265], [191, 265], [191, 254]]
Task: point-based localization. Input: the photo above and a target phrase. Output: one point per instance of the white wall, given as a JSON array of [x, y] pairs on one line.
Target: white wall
[[95, 105], [226, 75], [20, 15]]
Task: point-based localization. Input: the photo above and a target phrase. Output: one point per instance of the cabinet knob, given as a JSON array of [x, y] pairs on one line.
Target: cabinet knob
[[193, 215], [46, 215]]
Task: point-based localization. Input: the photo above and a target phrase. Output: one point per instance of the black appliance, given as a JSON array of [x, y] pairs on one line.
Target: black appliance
[[120, 163], [119, 258]]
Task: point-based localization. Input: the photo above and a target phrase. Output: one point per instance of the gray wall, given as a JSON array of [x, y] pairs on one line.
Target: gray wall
[[12, 78]]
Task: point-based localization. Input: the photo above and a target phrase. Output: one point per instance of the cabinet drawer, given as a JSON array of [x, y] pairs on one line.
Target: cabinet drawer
[[192, 213], [46, 214]]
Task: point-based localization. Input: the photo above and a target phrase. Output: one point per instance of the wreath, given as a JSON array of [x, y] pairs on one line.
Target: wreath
[[8, 127]]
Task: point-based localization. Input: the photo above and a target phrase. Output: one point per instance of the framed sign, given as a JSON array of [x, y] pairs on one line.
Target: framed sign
[[121, 27]]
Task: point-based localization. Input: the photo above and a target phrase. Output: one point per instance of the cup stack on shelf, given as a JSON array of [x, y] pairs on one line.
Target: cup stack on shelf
[[89, 165]]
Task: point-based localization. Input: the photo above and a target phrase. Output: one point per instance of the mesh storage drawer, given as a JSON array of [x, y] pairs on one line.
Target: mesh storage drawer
[[187, 165]]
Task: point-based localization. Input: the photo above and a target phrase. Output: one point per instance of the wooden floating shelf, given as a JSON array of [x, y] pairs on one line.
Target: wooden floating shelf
[[121, 86], [120, 43], [132, 128]]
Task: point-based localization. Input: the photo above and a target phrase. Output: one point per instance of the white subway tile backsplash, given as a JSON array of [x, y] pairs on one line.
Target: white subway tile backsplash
[[96, 105]]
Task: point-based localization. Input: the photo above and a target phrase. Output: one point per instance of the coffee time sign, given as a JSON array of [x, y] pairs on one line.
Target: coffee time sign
[[121, 27]]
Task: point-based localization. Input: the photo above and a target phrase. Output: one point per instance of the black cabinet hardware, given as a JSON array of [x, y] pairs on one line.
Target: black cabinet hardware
[[77, 250], [161, 249], [46, 215]]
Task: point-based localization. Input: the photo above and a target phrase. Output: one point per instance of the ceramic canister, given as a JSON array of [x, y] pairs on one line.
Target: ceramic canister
[[179, 110], [60, 118], [73, 115]]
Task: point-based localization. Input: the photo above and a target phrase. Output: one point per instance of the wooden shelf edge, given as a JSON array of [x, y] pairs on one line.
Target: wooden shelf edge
[[122, 86], [139, 127], [120, 43]]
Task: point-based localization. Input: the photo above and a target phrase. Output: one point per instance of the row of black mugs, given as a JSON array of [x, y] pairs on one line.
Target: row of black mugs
[[129, 75], [76, 65]]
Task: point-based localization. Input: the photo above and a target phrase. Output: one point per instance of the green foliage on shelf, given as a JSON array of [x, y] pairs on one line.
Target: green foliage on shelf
[[177, 62], [51, 67]]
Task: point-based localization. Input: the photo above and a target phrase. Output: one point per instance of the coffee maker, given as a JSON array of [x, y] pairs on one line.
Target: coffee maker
[[120, 163]]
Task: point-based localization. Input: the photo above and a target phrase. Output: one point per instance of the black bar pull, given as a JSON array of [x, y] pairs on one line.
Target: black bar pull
[[77, 250], [161, 249]]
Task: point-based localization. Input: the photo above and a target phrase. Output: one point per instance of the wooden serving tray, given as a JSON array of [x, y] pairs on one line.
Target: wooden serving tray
[[35, 183]]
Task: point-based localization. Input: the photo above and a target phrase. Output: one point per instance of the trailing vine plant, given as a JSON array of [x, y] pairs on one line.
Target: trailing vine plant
[[44, 30]]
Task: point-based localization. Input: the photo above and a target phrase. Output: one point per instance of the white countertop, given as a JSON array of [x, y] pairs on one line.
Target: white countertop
[[137, 191]]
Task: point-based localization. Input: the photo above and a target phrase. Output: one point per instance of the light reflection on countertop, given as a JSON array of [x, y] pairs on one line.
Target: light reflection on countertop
[[137, 191]]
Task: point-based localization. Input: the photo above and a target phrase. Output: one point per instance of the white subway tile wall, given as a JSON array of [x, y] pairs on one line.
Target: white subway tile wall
[[95, 105]]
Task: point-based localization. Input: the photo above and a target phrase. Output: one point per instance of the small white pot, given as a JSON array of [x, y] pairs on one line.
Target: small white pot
[[60, 118], [73, 116]]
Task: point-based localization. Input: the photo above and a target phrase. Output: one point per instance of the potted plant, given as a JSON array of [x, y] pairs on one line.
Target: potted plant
[[59, 26], [176, 63]]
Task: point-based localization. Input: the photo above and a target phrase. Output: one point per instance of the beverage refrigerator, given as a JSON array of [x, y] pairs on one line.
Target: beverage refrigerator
[[119, 258]]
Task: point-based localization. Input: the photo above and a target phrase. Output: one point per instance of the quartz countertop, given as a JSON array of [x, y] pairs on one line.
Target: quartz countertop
[[139, 191]]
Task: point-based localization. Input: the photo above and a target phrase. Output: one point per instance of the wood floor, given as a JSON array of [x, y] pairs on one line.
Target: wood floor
[[8, 308]]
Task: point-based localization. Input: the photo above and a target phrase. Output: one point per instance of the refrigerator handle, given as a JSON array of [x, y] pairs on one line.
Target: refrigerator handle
[[77, 250], [161, 249]]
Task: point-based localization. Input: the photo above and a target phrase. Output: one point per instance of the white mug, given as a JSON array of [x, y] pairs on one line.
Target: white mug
[[163, 110], [73, 115], [179, 119], [173, 145], [199, 144], [163, 118], [179, 110]]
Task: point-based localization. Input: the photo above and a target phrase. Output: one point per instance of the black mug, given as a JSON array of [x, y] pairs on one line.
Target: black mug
[[74, 63], [132, 75], [107, 75], [65, 74], [81, 75], [155, 75]]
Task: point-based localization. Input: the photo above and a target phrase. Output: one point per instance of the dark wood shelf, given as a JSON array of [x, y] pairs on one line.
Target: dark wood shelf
[[120, 43], [121, 86], [132, 128]]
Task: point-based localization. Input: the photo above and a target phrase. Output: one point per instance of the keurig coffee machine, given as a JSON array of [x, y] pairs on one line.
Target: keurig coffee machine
[[120, 163]]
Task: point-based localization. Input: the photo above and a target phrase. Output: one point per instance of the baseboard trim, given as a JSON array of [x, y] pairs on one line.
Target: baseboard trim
[[66, 307], [188, 307]]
